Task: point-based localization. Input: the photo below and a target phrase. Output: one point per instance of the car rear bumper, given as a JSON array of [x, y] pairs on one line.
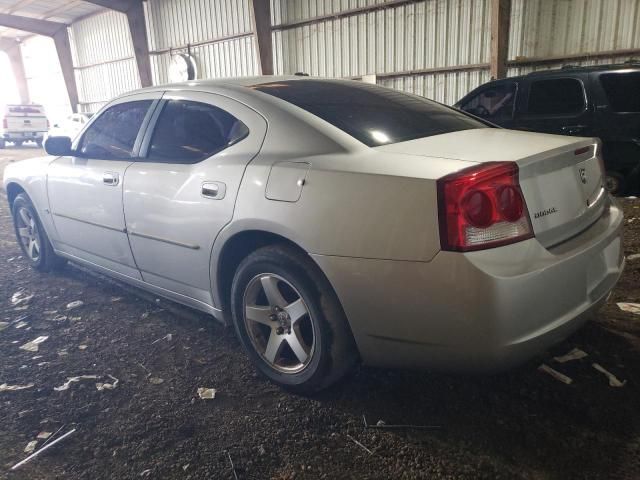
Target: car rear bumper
[[22, 136], [479, 311]]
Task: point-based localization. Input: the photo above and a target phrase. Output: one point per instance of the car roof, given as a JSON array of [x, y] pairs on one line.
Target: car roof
[[232, 81], [568, 69]]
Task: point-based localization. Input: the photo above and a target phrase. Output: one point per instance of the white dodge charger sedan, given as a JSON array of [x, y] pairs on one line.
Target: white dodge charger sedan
[[331, 222]]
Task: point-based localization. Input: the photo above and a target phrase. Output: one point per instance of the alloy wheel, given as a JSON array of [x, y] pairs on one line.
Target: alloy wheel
[[29, 234], [279, 323]]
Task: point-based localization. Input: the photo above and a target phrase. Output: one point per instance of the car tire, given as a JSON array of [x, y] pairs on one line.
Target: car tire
[[614, 183], [300, 316], [32, 237], [39, 143]]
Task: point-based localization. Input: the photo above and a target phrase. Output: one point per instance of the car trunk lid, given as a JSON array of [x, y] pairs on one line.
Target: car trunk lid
[[560, 177]]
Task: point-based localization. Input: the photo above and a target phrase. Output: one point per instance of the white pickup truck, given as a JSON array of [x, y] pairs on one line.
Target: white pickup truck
[[23, 123]]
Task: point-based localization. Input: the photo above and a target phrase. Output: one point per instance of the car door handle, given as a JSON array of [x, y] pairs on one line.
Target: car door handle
[[111, 179], [214, 190]]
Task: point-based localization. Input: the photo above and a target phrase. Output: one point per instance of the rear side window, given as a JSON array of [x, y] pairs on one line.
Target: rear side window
[[622, 90], [113, 134], [187, 132], [371, 114], [494, 103], [560, 96]]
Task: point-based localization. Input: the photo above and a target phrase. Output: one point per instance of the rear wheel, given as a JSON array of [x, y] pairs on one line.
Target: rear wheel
[[614, 183], [32, 238], [289, 320]]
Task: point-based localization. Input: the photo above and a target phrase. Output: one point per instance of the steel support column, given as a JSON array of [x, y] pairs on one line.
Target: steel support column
[[58, 32], [12, 49], [261, 19], [500, 24]]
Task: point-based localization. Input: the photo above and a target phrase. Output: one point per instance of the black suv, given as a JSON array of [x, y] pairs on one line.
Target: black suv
[[599, 101]]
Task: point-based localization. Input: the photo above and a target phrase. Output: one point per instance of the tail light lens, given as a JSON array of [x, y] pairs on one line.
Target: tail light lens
[[482, 207], [5, 123]]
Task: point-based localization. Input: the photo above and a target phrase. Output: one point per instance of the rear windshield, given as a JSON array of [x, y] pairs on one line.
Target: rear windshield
[[623, 91], [371, 114]]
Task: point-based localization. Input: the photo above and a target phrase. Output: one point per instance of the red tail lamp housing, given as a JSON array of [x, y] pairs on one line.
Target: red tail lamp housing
[[482, 207]]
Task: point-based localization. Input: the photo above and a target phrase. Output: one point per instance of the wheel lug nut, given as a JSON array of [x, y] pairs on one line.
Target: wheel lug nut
[[279, 330], [273, 317]]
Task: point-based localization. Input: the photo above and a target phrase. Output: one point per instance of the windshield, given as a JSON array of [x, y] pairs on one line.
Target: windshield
[[371, 114]]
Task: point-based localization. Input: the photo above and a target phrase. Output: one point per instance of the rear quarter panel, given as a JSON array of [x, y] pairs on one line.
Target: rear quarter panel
[[369, 205]]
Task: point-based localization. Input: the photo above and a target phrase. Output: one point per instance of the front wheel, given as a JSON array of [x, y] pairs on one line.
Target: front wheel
[[289, 320], [31, 236]]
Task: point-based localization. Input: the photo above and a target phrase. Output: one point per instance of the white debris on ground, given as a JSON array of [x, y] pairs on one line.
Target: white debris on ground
[[21, 324], [32, 346], [575, 354], [168, 337], [156, 380], [3, 325], [31, 446], [108, 386], [629, 307], [635, 256], [20, 297], [561, 377], [71, 380], [76, 304], [207, 393], [43, 435], [12, 388], [613, 380]]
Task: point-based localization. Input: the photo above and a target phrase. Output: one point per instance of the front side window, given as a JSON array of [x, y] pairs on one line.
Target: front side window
[[371, 114], [622, 90], [562, 96], [113, 134], [494, 103], [188, 132]]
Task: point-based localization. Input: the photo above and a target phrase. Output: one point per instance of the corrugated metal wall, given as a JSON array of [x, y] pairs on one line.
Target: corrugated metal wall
[[420, 35], [218, 32], [543, 28], [103, 58], [392, 42]]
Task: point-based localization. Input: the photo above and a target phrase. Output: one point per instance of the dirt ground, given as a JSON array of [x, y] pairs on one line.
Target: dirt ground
[[520, 425]]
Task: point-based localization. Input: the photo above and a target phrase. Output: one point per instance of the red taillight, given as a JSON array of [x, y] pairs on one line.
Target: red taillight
[[482, 207], [5, 123], [48, 124]]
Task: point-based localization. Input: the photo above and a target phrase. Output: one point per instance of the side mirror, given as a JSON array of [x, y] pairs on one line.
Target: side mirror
[[58, 146]]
